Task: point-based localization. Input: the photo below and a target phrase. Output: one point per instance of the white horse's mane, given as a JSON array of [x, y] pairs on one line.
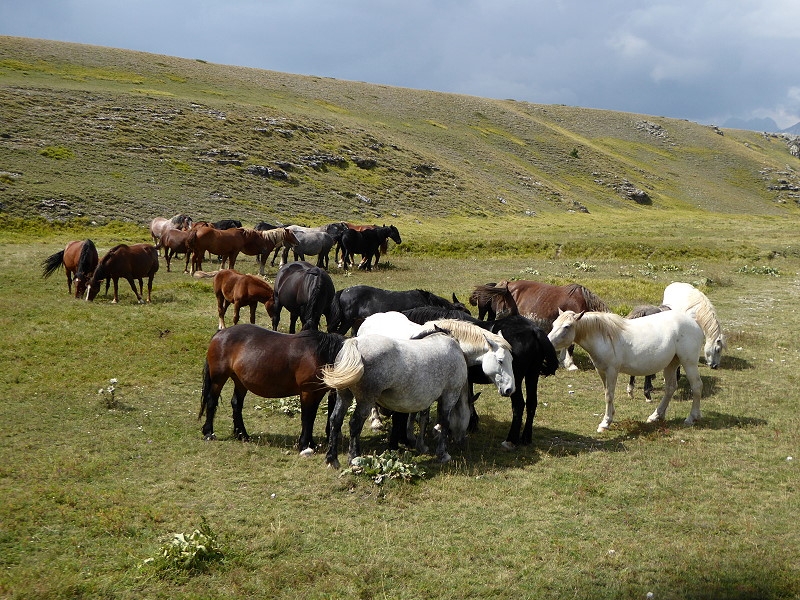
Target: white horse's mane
[[605, 323], [470, 334], [700, 307], [274, 235]]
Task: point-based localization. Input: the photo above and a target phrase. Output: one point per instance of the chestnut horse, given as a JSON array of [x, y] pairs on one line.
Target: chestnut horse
[[129, 262], [79, 259], [174, 241], [226, 243], [232, 287], [539, 302], [271, 365]]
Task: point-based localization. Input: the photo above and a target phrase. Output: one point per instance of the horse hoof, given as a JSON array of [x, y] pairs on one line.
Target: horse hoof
[[654, 417], [210, 437], [307, 452], [572, 368], [602, 429], [333, 464], [510, 446]]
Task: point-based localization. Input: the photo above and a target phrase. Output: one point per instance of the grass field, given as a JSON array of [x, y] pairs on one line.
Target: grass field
[[92, 489]]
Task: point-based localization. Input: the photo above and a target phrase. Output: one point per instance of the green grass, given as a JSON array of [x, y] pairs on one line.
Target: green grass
[[90, 492]]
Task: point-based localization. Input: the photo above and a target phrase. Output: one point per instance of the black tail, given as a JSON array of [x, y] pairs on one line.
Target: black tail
[[335, 314], [207, 403], [88, 259], [51, 264], [311, 312]]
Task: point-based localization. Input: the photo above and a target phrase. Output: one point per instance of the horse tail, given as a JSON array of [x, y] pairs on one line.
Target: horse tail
[[207, 402], [51, 264], [335, 313], [88, 259], [314, 287], [550, 356], [347, 369]]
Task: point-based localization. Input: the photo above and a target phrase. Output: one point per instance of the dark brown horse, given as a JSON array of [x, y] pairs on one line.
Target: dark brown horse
[[129, 262], [271, 365], [174, 242], [306, 291], [539, 302], [79, 260], [232, 287], [226, 243]]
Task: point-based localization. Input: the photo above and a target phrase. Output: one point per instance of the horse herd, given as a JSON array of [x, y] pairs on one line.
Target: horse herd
[[407, 349]]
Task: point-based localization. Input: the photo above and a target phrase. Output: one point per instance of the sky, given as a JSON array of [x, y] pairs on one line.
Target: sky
[[707, 61]]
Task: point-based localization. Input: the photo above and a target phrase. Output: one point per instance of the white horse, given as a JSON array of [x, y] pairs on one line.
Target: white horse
[[401, 375], [687, 298], [637, 347], [313, 241]]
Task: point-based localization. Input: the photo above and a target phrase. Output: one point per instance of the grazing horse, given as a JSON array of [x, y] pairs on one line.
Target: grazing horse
[[227, 243], [533, 356], [277, 238], [174, 242], [404, 376], [310, 241], [484, 304], [79, 259], [159, 225], [642, 311], [271, 365], [687, 298], [129, 262], [540, 302], [354, 304], [307, 293], [367, 243], [642, 346], [232, 287]]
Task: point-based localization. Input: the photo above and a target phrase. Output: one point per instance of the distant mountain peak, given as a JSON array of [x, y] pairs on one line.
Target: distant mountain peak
[[766, 124]]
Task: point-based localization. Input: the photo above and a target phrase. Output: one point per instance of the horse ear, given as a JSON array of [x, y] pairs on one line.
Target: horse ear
[[455, 300], [560, 312], [579, 315]]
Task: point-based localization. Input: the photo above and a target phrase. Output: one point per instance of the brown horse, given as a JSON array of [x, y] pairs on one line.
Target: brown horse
[[232, 287], [271, 365], [79, 259], [539, 302], [129, 262], [226, 243], [174, 241]]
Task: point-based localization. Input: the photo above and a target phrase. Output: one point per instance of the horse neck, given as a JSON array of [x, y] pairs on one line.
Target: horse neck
[[594, 329]]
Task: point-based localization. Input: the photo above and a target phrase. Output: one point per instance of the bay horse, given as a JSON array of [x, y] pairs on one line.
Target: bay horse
[[173, 241], [354, 304], [367, 243], [642, 311], [79, 259], [533, 356], [232, 287], [687, 298], [306, 291], [642, 346], [271, 365], [226, 243], [540, 302], [136, 261], [405, 376]]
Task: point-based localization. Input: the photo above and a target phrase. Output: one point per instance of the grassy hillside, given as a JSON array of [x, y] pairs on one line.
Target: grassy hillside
[[111, 134]]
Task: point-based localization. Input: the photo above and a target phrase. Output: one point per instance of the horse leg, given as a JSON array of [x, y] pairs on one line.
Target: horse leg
[[670, 385], [696, 383], [309, 405], [222, 308], [276, 313], [341, 402], [444, 428], [630, 387], [609, 378], [236, 307], [69, 281], [357, 420], [517, 408], [253, 307], [569, 362], [293, 316], [209, 400], [116, 289], [167, 258], [648, 388], [419, 442], [237, 403], [531, 404]]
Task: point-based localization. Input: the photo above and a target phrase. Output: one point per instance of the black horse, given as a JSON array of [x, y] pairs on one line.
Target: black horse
[[367, 243], [533, 355], [307, 293], [352, 305], [226, 224]]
